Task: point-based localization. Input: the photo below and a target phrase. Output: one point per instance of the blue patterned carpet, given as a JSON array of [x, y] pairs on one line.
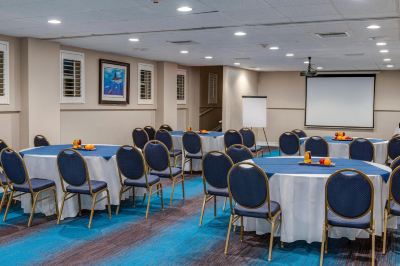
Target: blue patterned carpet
[[169, 237]]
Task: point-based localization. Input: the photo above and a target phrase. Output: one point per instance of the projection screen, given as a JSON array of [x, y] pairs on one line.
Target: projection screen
[[340, 101]]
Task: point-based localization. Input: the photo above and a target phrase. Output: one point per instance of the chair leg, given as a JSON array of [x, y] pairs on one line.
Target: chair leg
[[373, 244], [161, 196], [271, 240], [33, 208], [80, 204], [385, 219], [94, 196], [144, 197], [62, 208], [321, 258], [215, 206], [228, 234], [326, 241], [148, 202], [3, 198], [183, 186], [108, 204], [120, 199], [56, 201], [172, 190], [224, 208], [191, 166], [133, 197], [8, 205], [241, 228], [202, 210]]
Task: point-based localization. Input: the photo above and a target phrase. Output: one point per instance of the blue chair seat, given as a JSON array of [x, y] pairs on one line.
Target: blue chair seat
[[37, 184], [175, 153], [394, 208], [193, 156], [360, 223], [3, 178], [261, 212], [256, 148], [223, 192], [141, 182], [84, 189], [166, 174]]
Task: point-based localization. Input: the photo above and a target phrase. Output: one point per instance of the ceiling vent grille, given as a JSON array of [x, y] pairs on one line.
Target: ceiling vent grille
[[332, 35], [185, 42], [354, 54], [241, 58]]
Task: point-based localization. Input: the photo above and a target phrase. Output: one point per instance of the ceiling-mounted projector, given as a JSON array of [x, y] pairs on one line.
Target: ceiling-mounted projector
[[310, 72]]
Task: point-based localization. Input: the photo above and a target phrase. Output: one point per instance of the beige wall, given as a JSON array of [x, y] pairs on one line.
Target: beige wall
[[237, 83], [286, 104]]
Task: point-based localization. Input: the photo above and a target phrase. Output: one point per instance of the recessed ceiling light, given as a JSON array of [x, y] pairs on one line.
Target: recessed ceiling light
[[289, 54], [133, 39], [320, 68], [208, 57], [373, 27], [236, 64], [306, 62], [240, 33], [387, 59], [184, 9], [184, 52], [381, 43], [54, 21], [274, 48], [389, 66], [384, 51]]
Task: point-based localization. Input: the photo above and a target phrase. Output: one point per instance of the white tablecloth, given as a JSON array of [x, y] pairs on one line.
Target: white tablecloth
[[209, 143], [341, 150], [45, 166], [302, 199]]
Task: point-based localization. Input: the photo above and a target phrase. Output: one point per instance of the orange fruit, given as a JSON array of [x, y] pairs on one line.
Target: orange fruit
[[327, 161]]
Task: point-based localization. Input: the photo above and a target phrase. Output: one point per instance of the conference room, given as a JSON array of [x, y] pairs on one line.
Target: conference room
[[200, 132]]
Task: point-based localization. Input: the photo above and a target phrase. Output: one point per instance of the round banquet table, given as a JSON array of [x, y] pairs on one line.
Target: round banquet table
[[300, 190], [340, 148], [41, 162], [211, 141]]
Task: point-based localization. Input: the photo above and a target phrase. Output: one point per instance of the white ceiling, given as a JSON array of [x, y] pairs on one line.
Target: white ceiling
[[290, 24]]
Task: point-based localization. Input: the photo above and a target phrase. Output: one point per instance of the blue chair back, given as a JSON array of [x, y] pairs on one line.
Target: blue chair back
[[40, 141], [394, 185], [140, 137], [166, 127], [249, 139], [395, 163], [130, 162], [14, 166], [289, 143], [216, 166], [156, 155], [300, 133], [248, 185], [349, 193], [317, 146], [191, 142], [232, 137], [394, 147], [239, 153], [362, 149], [164, 136], [151, 132], [72, 167]]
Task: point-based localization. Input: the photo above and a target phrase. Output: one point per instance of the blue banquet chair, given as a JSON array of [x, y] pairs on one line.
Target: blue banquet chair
[[393, 149], [166, 127], [317, 146], [300, 133], [216, 166], [249, 140], [392, 208], [133, 173], [18, 180], [289, 144], [192, 148], [40, 141], [157, 158], [74, 172], [395, 163], [239, 153], [349, 203], [362, 149], [232, 137], [151, 132], [165, 137], [3, 179], [249, 196], [140, 137]]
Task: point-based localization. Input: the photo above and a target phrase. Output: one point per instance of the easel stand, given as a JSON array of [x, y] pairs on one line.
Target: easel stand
[[266, 139]]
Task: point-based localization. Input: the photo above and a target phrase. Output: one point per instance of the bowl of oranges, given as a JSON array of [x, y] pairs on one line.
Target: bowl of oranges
[[341, 136]]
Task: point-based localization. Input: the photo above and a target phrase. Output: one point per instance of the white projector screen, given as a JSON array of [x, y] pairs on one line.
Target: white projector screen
[[340, 101], [254, 111]]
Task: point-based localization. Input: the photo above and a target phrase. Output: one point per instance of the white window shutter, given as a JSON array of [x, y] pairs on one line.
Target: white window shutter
[[181, 85], [72, 77], [146, 84], [4, 73]]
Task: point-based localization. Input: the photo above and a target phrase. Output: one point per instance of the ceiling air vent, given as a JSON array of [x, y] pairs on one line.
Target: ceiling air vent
[[241, 58], [332, 35], [354, 54], [185, 42]]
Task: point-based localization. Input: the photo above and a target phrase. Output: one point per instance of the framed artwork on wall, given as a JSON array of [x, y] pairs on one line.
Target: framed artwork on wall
[[114, 82]]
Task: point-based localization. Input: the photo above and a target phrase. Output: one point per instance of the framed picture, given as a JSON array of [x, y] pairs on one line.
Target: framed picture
[[114, 82]]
